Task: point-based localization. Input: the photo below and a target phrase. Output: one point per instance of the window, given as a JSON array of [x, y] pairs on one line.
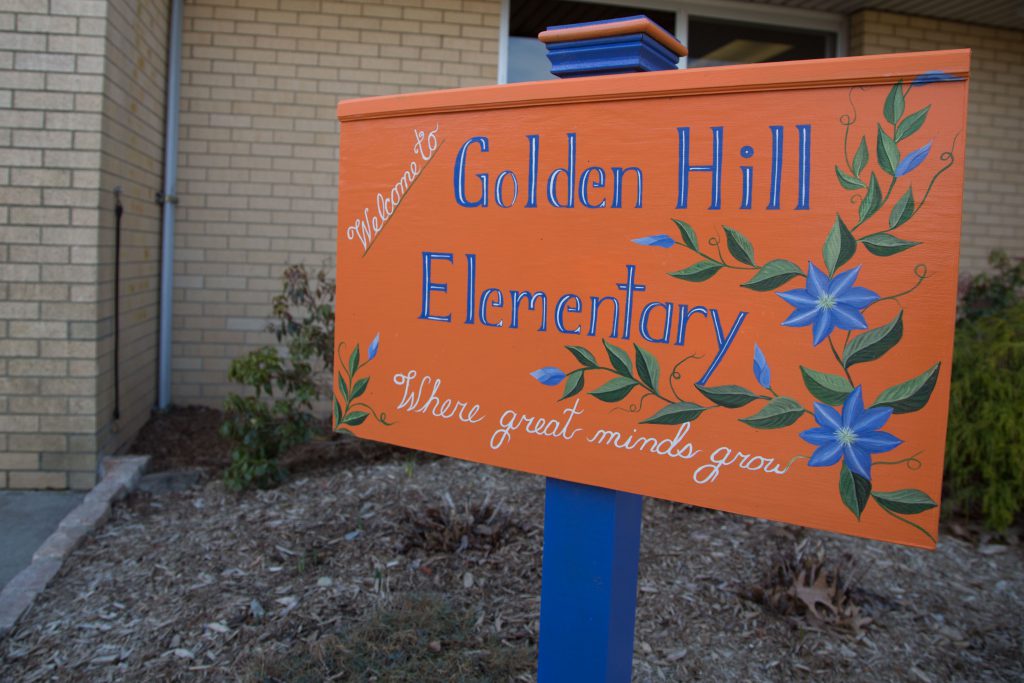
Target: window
[[713, 42], [716, 33]]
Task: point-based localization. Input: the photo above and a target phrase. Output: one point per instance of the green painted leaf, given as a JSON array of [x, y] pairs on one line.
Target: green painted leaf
[[773, 274], [728, 395], [619, 359], [911, 395], [871, 345], [583, 356], [902, 210], [904, 501], [698, 272], [888, 152], [686, 234], [359, 387], [739, 246], [860, 159], [573, 384], [353, 362], [884, 244], [647, 367], [848, 181], [356, 417], [675, 414], [830, 389], [780, 412], [840, 246], [894, 104], [337, 411], [854, 490], [911, 124], [615, 389], [871, 201], [343, 387]]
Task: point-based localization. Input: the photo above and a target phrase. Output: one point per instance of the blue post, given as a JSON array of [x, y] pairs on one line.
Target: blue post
[[592, 534]]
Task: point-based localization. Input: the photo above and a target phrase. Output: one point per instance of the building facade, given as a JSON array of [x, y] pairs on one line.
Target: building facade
[[83, 102]]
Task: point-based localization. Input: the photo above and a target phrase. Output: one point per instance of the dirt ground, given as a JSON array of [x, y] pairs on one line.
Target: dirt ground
[[372, 565]]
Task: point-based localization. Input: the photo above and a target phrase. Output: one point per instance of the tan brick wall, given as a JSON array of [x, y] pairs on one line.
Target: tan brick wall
[[994, 172], [81, 110], [258, 162], [51, 80], [132, 158]]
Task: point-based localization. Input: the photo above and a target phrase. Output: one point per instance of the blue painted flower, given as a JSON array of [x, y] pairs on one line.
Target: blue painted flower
[[912, 160], [374, 345], [549, 376], [828, 303], [852, 435], [762, 372], [934, 77], [663, 241]]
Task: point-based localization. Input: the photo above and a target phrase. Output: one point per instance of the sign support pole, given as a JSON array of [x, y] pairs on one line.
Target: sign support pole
[[592, 534]]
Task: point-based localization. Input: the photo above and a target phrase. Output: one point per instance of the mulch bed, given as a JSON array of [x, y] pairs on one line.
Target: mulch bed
[[187, 437], [420, 569]]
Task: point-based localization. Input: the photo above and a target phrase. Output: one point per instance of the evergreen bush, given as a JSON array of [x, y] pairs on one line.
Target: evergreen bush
[[985, 441]]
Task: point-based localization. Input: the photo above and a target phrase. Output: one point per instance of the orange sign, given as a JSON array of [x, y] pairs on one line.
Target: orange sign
[[730, 287]]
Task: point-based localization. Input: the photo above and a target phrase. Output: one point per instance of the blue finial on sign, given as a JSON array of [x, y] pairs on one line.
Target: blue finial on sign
[[617, 46]]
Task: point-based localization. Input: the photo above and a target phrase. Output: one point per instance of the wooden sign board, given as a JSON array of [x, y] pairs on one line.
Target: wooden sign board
[[730, 287]]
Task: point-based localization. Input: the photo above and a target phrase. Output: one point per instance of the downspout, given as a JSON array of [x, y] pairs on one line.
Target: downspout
[[168, 198]]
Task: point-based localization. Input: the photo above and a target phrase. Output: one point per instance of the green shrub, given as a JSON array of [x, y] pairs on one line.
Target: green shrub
[[985, 442], [278, 413], [991, 293]]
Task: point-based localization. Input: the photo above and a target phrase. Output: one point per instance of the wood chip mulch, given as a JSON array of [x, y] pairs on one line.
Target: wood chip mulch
[[208, 585]]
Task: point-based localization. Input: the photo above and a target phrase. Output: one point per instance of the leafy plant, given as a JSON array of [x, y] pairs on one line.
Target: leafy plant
[[646, 379], [992, 293], [830, 300], [305, 315], [278, 413], [985, 441], [350, 412]]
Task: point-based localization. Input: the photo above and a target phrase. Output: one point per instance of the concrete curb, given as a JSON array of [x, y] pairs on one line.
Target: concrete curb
[[120, 475]]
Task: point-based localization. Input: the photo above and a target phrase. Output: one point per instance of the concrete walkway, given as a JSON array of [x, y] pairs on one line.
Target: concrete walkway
[[27, 518], [40, 529]]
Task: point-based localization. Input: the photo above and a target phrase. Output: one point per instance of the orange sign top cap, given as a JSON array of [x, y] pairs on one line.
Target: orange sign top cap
[[607, 29]]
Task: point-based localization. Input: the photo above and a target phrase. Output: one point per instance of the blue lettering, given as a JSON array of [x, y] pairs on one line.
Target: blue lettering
[[617, 174], [586, 183], [645, 315], [595, 305], [803, 201], [428, 286], [560, 310], [499, 183], [776, 182], [724, 342], [460, 174], [498, 302], [531, 303], [714, 168], [629, 287], [684, 318], [570, 178]]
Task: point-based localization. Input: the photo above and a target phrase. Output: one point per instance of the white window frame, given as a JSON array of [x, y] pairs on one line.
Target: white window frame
[[727, 10]]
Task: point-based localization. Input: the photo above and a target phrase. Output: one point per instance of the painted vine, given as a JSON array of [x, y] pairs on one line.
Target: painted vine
[[848, 432]]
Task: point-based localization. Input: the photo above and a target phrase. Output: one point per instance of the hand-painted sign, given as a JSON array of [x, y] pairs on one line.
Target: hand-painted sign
[[729, 287]]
